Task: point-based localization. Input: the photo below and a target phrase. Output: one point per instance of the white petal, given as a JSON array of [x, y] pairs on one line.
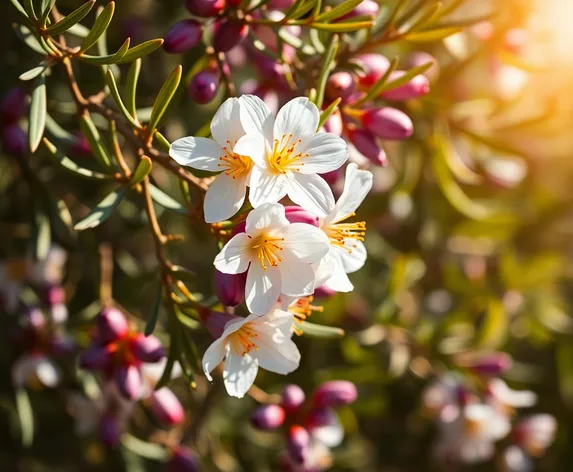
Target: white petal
[[268, 215], [254, 146], [339, 281], [266, 187], [199, 153], [516, 460], [213, 356], [48, 373], [278, 319], [324, 269], [235, 256], [297, 278], [306, 242], [239, 373], [327, 152], [262, 288], [256, 116], [357, 184], [332, 433], [352, 255], [226, 124], [298, 117], [282, 358], [311, 192], [225, 196]]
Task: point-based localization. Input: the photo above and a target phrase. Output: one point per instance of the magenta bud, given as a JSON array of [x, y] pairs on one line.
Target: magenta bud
[[80, 146], [293, 398], [166, 407], [233, 3], [268, 417], [55, 295], [323, 292], [367, 145], [296, 214], [203, 87], [335, 393], [96, 357], [183, 36], [14, 140], [109, 430], [228, 34], [129, 381], [365, 8], [334, 124], [183, 460], [205, 8], [215, 321], [111, 324], [332, 177], [419, 58], [33, 320], [13, 106], [388, 123], [492, 364], [374, 65], [147, 348], [417, 87], [230, 288], [340, 85], [318, 417], [280, 4], [298, 443]]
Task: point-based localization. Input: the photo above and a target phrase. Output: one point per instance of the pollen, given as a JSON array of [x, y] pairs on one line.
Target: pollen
[[285, 156], [267, 249], [301, 310], [243, 339], [234, 164], [342, 234]]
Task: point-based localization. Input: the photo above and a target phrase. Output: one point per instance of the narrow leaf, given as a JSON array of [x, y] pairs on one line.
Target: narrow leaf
[[100, 26], [432, 35], [131, 87], [102, 211], [115, 94], [375, 89], [404, 79], [37, 120], [343, 27], [338, 11], [162, 141], [143, 169], [161, 198], [183, 274], [325, 115], [35, 71], [140, 50], [24, 33], [46, 7], [79, 30], [59, 133], [320, 331], [494, 328], [26, 416], [29, 7], [94, 139], [70, 165], [164, 97], [154, 313], [328, 64], [108, 59], [42, 234], [72, 19], [19, 7]]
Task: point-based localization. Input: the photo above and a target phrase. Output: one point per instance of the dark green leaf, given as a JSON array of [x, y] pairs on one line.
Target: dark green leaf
[[94, 139], [35, 71], [142, 170], [164, 97], [131, 87], [171, 358], [71, 166], [339, 10], [19, 7], [74, 17], [25, 415], [161, 198], [115, 94], [328, 64], [320, 331], [37, 119], [100, 26], [43, 235], [109, 59], [154, 313], [140, 50], [29, 7], [102, 211], [59, 133]]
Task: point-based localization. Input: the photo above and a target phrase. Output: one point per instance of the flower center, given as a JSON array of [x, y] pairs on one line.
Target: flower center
[[242, 339], [267, 249], [234, 164], [301, 310], [284, 155], [341, 233]]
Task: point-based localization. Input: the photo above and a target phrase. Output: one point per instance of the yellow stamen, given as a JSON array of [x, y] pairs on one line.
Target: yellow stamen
[[234, 164], [242, 339], [340, 233], [267, 249], [301, 310], [285, 156]]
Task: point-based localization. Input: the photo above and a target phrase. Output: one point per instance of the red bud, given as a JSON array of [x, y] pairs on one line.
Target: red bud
[[228, 34], [296, 214], [183, 36], [166, 407], [367, 145], [340, 85], [335, 393], [203, 87], [205, 8], [298, 443], [111, 324], [293, 398], [230, 288], [147, 348], [388, 123], [374, 65], [129, 381], [415, 88], [268, 417]]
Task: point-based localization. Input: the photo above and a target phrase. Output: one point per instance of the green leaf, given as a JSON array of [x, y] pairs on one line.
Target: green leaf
[[375, 89], [29, 7], [300, 8], [404, 79], [143, 169], [25, 415], [131, 87], [162, 141], [328, 64], [342, 27], [102, 211], [144, 449], [164, 97], [37, 119], [325, 115], [109, 59], [161, 198], [79, 30], [140, 50], [171, 358], [24, 33], [100, 26], [46, 7], [115, 94], [70, 165], [59, 133], [339, 10], [43, 235], [72, 19], [154, 313], [19, 7], [35, 71], [494, 328], [432, 35], [95, 141], [296, 42], [320, 331]]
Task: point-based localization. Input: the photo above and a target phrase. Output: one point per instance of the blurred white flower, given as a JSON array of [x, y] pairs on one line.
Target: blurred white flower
[[503, 397], [35, 371]]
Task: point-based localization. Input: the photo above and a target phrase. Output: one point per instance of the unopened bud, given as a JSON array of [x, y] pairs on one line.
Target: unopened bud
[[166, 407], [205, 8], [365, 8], [111, 324], [183, 36], [334, 124], [335, 393], [230, 288], [129, 381], [388, 123], [80, 146], [374, 65], [293, 398], [13, 106], [215, 321], [55, 295], [492, 364], [318, 417], [340, 85], [417, 87], [268, 417], [14, 140], [183, 460], [228, 34], [109, 430], [419, 58], [298, 443], [323, 292], [296, 214], [96, 357], [203, 87], [367, 145], [147, 348]]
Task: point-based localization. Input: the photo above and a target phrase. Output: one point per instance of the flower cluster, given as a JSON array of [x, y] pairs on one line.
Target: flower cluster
[[277, 254], [311, 427]]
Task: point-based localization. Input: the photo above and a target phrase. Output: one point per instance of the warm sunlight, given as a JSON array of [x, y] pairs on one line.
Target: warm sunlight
[[552, 24]]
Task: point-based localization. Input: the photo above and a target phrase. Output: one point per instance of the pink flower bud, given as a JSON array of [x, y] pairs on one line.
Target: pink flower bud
[[183, 36], [296, 214], [334, 124], [203, 87], [268, 417], [388, 123], [230, 288], [333, 176], [365, 142], [147, 348], [415, 88], [280, 4], [298, 443], [419, 58], [340, 85], [34, 321], [335, 393], [365, 8], [166, 407], [96, 357], [109, 430], [215, 321], [374, 65], [14, 140], [323, 292], [55, 295], [492, 364], [205, 8], [318, 417], [13, 106], [228, 34], [183, 460], [80, 146], [293, 398], [129, 381], [111, 324]]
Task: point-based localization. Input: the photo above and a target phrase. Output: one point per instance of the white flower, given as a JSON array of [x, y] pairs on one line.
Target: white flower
[[501, 396], [248, 343], [35, 370], [347, 252], [289, 153], [277, 255], [226, 193]]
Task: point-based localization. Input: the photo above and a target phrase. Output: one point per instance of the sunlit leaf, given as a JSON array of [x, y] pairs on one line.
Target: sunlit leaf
[[100, 26], [339, 10], [329, 62], [70, 165], [119, 102], [95, 141], [37, 117], [326, 114], [164, 97], [102, 211], [24, 33], [493, 330], [432, 35], [131, 87], [140, 50], [25, 415], [142, 170], [35, 71], [67, 22], [161, 198], [320, 331], [109, 59]]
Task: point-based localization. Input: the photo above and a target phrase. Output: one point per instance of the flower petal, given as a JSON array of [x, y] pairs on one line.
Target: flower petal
[[199, 153], [327, 152], [256, 117], [282, 358], [332, 433], [225, 196], [339, 281], [266, 187], [239, 373], [357, 184], [226, 124], [298, 117], [235, 256], [262, 289], [352, 255], [213, 356], [268, 215], [254, 146], [306, 242], [311, 192], [324, 269], [297, 278]]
